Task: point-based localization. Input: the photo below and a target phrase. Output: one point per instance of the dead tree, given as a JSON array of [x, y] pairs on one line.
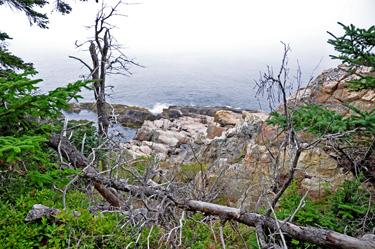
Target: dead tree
[[147, 203], [107, 58], [159, 201], [277, 88], [77, 159]]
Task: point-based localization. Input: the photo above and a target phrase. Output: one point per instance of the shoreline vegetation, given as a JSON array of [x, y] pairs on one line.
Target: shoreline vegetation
[[226, 130], [302, 176]]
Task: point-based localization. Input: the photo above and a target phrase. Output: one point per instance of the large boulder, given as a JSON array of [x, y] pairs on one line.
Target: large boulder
[[205, 139], [239, 146], [329, 90], [225, 118], [194, 111], [244, 182], [245, 155]]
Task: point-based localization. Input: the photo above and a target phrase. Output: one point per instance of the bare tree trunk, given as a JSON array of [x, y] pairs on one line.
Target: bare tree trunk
[[76, 157], [287, 182], [99, 88], [107, 57], [99, 93], [322, 237]]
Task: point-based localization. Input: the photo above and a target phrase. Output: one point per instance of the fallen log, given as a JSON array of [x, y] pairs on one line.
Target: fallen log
[[322, 237], [74, 156]]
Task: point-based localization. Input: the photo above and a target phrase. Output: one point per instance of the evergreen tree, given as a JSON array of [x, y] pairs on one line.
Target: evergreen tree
[[356, 48], [28, 7], [9, 62], [23, 132]]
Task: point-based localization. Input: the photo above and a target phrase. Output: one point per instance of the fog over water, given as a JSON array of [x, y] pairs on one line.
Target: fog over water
[[203, 53]]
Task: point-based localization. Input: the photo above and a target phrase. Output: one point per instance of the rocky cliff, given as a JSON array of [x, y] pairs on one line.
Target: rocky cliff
[[237, 145], [329, 90]]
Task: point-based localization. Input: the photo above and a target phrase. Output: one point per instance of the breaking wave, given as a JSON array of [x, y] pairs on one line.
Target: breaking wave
[[158, 108]]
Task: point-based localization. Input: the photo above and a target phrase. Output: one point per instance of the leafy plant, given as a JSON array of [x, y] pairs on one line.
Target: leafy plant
[[319, 120], [355, 45], [8, 61], [363, 119], [101, 230], [189, 171], [11, 147]]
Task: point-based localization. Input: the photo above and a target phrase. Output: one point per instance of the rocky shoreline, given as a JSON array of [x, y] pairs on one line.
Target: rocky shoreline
[[133, 117], [238, 142]]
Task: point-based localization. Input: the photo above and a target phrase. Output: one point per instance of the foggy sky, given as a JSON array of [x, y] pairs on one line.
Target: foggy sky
[[168, 26]]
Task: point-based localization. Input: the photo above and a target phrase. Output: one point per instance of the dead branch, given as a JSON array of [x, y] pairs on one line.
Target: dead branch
[[167, 198], [314, 235], [106, 55], [76, 157]]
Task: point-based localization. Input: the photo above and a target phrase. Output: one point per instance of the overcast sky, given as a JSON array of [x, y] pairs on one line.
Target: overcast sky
[[196, 45], [155, 26], [166, 34]]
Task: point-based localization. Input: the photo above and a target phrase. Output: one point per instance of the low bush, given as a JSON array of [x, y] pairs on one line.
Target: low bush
[[349, 210]]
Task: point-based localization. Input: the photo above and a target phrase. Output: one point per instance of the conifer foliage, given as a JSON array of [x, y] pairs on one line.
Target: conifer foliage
[[23, 130], [35, 17], [8, 61], [356, 48]]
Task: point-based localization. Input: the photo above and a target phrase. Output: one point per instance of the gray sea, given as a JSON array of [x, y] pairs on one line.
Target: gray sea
[[188, 79], [191, 79]]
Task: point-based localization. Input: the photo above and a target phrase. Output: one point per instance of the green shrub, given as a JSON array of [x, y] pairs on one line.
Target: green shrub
[[188, 172], [25, 162], [348, 211], [102, 230]]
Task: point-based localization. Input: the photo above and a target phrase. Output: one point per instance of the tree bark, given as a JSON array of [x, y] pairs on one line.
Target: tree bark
[[99, 88], [74, 156], [321, 237], [313, 235]]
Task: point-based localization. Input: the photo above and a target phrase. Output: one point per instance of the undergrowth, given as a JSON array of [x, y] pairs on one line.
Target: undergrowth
[[102, 230], [345, 211], [349, 211]]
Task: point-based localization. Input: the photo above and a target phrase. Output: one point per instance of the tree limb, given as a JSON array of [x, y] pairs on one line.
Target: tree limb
[[84, 63], [322, 237], [74, 156]]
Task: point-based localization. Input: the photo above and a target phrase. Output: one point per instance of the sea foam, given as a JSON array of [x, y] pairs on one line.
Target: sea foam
[[158, 108]]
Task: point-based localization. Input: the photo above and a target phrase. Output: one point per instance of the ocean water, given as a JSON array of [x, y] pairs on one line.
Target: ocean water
[[205, 78], [193, 53], [187, 79], [125, 133]]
